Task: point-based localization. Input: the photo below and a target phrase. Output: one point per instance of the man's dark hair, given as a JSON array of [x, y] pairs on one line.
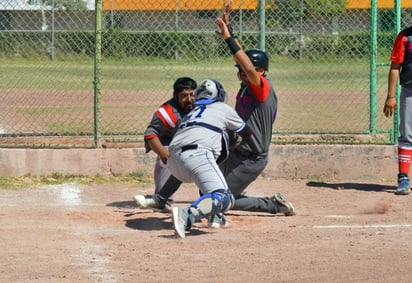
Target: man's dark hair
[[182, 84]]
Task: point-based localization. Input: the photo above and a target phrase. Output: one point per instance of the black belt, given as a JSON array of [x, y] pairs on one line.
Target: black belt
[[189, 147]]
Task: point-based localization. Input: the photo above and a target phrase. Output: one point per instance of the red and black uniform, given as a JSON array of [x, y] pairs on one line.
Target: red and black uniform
[[402, 53], [164, 125], [257, 105]]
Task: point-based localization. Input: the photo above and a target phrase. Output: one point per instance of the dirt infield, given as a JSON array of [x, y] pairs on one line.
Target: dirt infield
[[343, 232]]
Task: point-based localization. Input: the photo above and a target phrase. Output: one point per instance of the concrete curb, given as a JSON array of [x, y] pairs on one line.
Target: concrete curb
[[319, 162]]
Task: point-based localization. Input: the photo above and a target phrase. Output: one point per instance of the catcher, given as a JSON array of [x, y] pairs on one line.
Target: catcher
[[195, 149]]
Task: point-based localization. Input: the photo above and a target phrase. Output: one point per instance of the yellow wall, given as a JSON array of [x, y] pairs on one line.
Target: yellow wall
[[171, 4], [218, 4], [362, 4]]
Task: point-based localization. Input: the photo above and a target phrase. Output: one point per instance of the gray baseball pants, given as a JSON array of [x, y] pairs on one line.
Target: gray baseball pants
[[240, 171]]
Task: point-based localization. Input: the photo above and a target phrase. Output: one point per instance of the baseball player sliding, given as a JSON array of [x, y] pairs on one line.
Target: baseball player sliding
[[194, 150], [256, 104]]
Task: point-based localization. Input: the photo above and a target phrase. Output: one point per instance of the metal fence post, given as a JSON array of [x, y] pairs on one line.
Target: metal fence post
[[97, 61], [373, 55], [53, 30], [397, 30], [262, 16]]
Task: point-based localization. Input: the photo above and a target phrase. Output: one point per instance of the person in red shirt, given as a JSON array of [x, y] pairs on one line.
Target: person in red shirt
[[158, 136], [401, 68]]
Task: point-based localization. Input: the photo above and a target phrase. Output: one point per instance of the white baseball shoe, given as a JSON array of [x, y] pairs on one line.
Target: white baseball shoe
[[180, 219], [217, 221], [149, 202]]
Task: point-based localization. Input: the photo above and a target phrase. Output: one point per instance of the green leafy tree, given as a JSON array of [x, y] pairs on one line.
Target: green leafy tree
[[286, 12], [289, 12], [68, 5], [326, 7]]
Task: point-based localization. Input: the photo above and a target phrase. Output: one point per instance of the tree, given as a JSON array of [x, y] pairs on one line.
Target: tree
[[326, 7], [290, 12], [286, 12], [68, 5]]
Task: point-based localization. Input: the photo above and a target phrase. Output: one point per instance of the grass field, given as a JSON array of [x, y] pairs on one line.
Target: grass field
[[43, 96], [140, 74]]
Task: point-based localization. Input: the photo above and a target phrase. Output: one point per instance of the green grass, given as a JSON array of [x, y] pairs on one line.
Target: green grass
[[132, 88], [29, 181], [159, 74]]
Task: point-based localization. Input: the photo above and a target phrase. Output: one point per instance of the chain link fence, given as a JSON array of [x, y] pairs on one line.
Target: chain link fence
[[60, 89]]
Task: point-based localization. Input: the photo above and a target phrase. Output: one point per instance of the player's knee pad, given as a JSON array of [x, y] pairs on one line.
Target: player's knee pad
[[228, 200], [212, 203]]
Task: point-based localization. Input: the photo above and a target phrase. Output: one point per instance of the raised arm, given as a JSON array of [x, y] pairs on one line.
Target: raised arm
[[239, 54]]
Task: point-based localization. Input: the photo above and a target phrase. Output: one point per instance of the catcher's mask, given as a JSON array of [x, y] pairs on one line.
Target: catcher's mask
[[211, 91]]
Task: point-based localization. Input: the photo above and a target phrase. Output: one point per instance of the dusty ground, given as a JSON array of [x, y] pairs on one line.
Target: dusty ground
[[343, 232]]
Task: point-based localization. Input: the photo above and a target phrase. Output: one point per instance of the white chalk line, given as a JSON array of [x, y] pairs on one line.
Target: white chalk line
[[373, 226], [338, 216], [352, 226]]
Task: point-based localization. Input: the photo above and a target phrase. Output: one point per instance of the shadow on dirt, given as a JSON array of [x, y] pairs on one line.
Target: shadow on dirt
[[252, 214], [159, 223], [132, 204], [193, 232], [150, 223], [353, 186], [122, 204]]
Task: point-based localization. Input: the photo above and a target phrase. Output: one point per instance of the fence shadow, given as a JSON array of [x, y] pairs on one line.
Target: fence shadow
[[353, 186]]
